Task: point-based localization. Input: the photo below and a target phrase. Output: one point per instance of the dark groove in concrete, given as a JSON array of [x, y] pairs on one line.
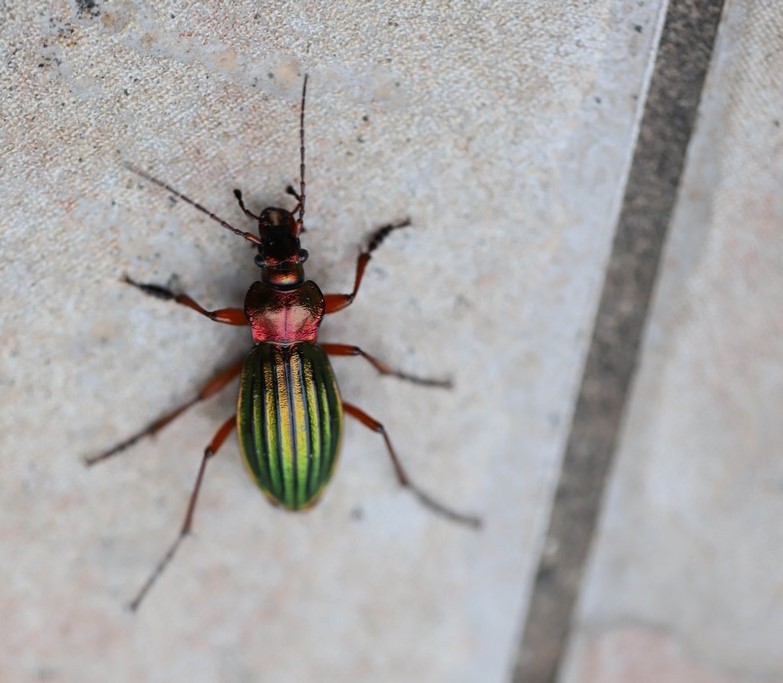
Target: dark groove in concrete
[[670, 113]]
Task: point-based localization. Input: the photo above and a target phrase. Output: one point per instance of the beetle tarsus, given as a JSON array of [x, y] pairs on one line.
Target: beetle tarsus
[[428, 501], [383, 232], [114, 450], [214, 446], [402, 476], [133, 605], [158, 291]]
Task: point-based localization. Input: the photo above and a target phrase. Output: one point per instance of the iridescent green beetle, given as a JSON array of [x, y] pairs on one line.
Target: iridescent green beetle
[[289, 410]]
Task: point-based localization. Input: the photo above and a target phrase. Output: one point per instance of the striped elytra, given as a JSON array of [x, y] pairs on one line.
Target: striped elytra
[[289, 421]]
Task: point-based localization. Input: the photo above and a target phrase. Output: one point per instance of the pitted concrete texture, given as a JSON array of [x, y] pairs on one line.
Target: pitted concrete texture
[[504, 130]]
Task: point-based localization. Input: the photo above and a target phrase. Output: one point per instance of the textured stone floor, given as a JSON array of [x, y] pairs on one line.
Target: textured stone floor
[[505, 131]]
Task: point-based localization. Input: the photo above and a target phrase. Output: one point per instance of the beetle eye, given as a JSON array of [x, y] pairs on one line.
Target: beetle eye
[[259, 261], [303, 255]]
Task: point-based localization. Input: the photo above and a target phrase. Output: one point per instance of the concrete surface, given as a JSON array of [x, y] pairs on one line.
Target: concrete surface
[[504, 130], [684, 48], [686, 583]]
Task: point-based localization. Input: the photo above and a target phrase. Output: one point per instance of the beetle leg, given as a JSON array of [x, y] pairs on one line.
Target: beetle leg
[[336, 302], [212, 387], [217, 441], [402, 476], [381, 367], [229, 316]]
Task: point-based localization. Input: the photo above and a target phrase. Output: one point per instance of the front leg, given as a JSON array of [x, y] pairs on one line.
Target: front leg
[[228, 316], [337, 302]]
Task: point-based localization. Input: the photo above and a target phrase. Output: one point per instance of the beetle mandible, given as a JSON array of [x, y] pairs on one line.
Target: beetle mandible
[[289, 409]]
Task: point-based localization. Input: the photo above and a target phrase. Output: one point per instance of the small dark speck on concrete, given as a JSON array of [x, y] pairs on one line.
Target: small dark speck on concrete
[[357, 514], [271, 75], [80, 160], [125, 90], [46, 673], [597, 100], [776, 123], [88, 7], [365, 118], [637, 28]]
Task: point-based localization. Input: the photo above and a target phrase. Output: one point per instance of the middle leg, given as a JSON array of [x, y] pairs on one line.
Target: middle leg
[[380, 366], [212, 387]]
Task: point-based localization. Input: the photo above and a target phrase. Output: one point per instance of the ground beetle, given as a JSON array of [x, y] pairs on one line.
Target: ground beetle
[[289, 410]]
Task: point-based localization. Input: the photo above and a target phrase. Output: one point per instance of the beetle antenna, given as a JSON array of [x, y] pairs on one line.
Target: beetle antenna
[[249, 236], [302, 154]]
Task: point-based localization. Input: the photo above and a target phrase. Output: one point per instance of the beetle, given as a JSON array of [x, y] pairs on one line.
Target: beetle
[[289, 414]]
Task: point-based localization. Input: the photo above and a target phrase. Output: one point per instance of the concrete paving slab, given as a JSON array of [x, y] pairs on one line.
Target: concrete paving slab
[[685, 577], [503, 130]]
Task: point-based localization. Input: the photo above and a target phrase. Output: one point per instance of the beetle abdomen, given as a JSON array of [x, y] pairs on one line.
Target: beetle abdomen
[[289, 421]]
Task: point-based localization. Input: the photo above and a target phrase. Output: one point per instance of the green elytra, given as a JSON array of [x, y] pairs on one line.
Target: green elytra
[[289, 421], [289, 409]]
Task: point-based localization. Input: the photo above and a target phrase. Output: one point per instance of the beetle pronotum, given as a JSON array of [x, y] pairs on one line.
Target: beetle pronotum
[[289, 409]]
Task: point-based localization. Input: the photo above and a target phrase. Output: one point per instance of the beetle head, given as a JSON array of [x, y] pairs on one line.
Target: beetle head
[[280, 256]]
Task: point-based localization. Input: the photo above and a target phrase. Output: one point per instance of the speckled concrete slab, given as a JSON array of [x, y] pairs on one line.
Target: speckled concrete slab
[[685, 584], [503, 130], [685, 47]]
